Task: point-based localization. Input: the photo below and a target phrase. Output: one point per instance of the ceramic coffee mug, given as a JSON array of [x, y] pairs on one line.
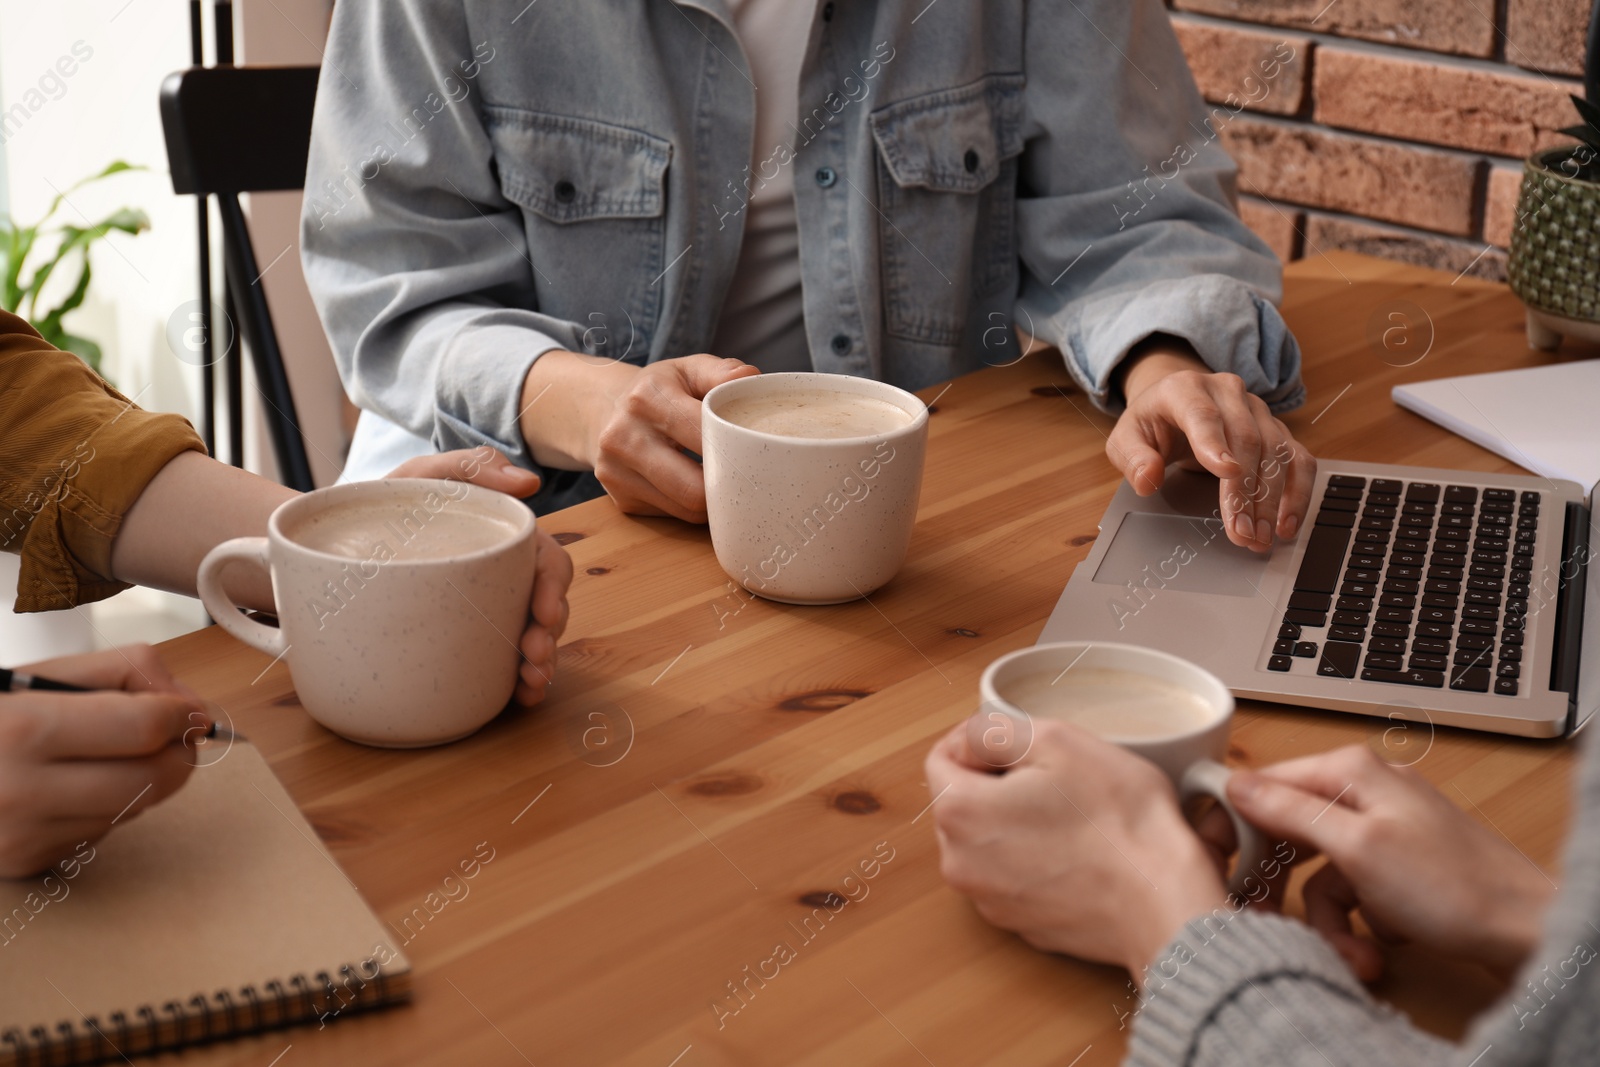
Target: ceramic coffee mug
[[400, 605], [811, 519], [1188, 742]]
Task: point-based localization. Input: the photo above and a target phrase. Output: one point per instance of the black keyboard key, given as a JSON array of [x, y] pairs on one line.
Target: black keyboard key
[[1306, 618], [1517, 589], [1445, 574], [1529, 496], [1377, 524], [1305, 601], [1479, 611], [1472, 657], [1390, 629], [1336, 518], [1339, 659], [1499, 494], [1439, 615], [1526, 537], [1348, 480], [1412, 574], [1373, 537], [1305, 650], [1513, 623], [1460, 494], [1470, 679], [1417, 507], [1438, 600], [1456, 522], [1333, 503], [1353, 603], [1482, 596], [1511, 637], [1405, 544], [1523, 550], [1528, 522], [1491, 544], [1386, 485], [1496, 507], [1474, 641], [1425, 662], [1434, 629], [1431, 679], [1319, 567], [1478, 626], [1366, 562], [1345, 492], [1397, 600], [1282, 647], [1516, 606], [1425, 491], [1449, 536], [1510, 654], [1448, 559], [1279, 663], [1347, 633], [1384, 662], [1449, 508], [1350, 618], [1386, 644], [1358, 574], [1508, 669], [1487, 570], [1436, 585], [1399, 585], [1409, 558], [1431, 645], [1423, 521], [1375, 511], [1486, 584], [1365, 590], [1394, 615], [1506, 687], [1488, 557]]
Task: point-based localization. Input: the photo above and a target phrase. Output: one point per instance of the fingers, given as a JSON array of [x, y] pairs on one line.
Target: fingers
[[631, 480], [91, 726], [1354, 774], [484, 466], [130, 668], [537, 670], [551, 581], [676, 401], [1296, 500], [1294, 814], [33, 849], [1139, 454], [115, 790], [1330, 898]]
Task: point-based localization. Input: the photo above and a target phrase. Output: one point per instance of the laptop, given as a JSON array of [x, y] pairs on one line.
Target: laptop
[[1439, 596]]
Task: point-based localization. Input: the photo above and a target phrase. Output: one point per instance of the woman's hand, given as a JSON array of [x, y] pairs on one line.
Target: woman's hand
[[1179, 411], [549, 611], [1079, 846], [72, 764], [1413, 864]]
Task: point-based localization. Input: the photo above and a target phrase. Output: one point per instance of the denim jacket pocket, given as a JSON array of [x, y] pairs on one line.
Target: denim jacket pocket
[[593, 199], [947, 188]]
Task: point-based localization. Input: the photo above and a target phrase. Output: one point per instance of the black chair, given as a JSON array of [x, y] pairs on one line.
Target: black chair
[[233, 130]]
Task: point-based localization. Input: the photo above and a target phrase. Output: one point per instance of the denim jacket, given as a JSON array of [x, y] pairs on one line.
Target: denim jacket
[[492, 179]]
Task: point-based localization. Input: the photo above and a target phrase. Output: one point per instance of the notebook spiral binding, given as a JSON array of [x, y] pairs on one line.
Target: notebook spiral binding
[[200, 1020]]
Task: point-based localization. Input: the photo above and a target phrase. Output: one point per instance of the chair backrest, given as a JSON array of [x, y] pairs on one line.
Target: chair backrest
[[233, 130], [238, 129]]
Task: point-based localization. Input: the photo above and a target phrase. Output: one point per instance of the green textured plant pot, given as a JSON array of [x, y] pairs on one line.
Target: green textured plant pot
[[1554, 266]]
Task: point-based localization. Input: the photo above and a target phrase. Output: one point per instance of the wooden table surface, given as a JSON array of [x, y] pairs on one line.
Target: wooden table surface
[[710, 768]]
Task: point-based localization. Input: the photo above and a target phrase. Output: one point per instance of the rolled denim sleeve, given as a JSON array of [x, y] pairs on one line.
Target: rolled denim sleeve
[[1126, 211], [416, 261]]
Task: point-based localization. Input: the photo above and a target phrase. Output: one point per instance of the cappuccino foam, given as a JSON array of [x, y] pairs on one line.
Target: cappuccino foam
[[815, 413], [1111, 703], [408, 530]]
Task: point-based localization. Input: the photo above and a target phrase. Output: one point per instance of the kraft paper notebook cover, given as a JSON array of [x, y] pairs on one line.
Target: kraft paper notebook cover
[[217, 912]]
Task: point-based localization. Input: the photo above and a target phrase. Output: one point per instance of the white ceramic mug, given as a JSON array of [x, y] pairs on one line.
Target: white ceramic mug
[[1191, 757], [394, 652], [807, 520]]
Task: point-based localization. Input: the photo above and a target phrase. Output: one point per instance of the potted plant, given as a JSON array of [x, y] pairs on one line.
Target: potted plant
[[18, 245]]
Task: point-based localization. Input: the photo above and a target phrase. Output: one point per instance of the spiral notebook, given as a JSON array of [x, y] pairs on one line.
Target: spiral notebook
[[215, 913]]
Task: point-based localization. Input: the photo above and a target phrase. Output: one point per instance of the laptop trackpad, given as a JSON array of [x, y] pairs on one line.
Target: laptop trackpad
[[1178, 552]]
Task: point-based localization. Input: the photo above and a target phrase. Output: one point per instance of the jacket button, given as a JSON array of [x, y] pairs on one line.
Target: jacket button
[[827, 11], [841, 344], [971, 160], [826, 177], [566, 191]]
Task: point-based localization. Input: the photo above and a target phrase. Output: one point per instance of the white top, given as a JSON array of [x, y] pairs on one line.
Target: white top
[[763, 319]]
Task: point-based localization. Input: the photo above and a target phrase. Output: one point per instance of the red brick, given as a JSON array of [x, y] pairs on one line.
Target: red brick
[[1547, 34], [1276, 225], [1325, 234], [1246, 65], [1417, 99], [1500, 207], [1437, 25], [1419, 187]]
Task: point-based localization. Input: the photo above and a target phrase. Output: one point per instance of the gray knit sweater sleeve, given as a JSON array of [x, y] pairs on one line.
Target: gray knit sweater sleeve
[[1246, 989]]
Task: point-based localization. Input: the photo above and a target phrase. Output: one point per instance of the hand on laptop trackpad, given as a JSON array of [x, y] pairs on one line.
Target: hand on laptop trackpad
[[1190, 554]]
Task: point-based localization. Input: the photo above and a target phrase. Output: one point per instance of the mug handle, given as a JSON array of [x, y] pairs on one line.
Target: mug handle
[[1210, 778], [229, 615]]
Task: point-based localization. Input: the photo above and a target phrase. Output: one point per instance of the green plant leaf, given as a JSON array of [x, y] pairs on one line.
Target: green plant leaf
[[79, 240]]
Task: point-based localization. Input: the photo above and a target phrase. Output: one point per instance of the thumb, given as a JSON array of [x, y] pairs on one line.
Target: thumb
[[1288, 812], [704, 372], [1139, 459]]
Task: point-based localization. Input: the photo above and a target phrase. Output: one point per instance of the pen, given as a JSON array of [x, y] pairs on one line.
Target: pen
[[13, 681]]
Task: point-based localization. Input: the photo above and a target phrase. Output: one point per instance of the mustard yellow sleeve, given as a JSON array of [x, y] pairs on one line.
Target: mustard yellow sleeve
[[74, 456]]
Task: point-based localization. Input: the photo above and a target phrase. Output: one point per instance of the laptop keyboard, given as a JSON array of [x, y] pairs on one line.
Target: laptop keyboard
[[1416, 584]]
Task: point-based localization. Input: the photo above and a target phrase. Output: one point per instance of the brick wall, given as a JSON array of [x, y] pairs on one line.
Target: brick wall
[[1392, 127]]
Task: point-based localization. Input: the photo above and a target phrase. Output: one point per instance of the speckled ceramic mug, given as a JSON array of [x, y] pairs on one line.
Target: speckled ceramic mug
[[400, 604], [811, 520]]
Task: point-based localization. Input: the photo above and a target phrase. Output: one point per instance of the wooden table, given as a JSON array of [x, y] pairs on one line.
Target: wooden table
[[711, 767]]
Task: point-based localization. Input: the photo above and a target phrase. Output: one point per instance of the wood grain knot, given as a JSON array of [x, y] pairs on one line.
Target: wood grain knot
[[290, 701], [823, 898], [568, 538], [1082, 539], [1238, 754], [823, 699], [962, 631], [726, 785], [933, 409], [598, 570], [857, 802], [1053, 390]]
